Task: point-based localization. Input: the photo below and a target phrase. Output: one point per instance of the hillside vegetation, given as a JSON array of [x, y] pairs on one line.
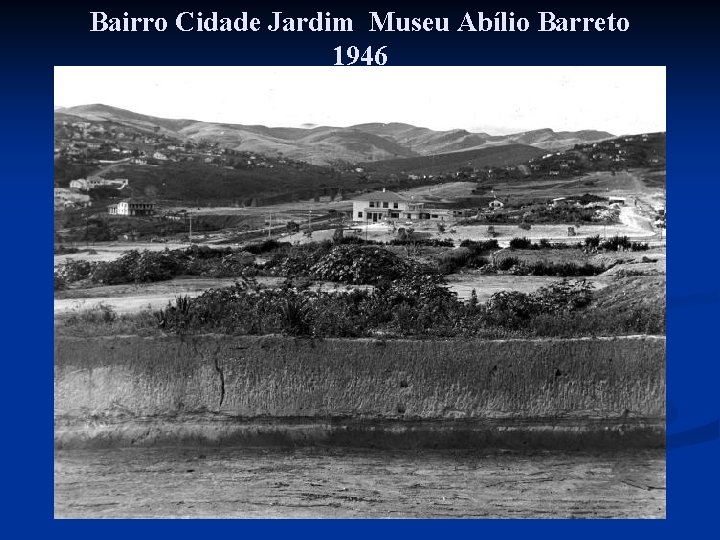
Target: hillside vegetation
[[327, 144], [495, 156]]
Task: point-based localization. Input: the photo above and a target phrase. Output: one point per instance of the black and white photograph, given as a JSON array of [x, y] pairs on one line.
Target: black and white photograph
[[387, 292]]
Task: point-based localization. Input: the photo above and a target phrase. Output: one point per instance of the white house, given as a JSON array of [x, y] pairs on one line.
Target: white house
[[160, 156], [379, 206], [132, 207], [496, 204], [386, 205], [80, 184]]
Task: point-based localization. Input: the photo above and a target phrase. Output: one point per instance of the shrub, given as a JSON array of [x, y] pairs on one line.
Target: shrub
[[264, 247], [520, 243], [480, 246], [564, 269], [428, 242], [462, 257], [361, 265], [296, 316], [72, 270], [513, 308], [622, 243], [593, 241], [507, 263]]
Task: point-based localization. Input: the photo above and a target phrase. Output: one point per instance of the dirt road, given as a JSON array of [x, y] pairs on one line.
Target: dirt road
[[331, 483]]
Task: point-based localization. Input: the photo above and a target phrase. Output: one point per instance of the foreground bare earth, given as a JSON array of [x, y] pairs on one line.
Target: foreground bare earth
[[338, 482]]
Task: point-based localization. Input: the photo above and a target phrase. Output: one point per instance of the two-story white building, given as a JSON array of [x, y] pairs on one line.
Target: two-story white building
[[132, 207], [387, 205], [379, 206]]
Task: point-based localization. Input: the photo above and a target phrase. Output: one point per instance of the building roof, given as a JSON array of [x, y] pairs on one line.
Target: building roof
[[135, 200], [385, 196]]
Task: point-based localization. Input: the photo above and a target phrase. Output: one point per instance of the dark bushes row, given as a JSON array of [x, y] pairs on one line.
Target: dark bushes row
[[418, 306], [148, 266], [616, 243], [611, 244]]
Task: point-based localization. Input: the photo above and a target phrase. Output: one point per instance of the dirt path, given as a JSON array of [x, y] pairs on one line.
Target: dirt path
[[331, 483], [630, 216]]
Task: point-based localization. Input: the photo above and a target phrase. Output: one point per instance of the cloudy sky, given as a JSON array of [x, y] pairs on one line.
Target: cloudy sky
[[495, 99]]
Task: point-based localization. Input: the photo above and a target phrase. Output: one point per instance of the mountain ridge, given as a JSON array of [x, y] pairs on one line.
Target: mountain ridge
[[366, 142]]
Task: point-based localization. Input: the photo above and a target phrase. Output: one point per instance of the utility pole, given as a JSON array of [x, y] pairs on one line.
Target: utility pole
[[269, 224], [190, 233], [309, 224]]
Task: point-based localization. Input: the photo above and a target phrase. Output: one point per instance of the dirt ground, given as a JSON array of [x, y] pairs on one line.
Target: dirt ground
[[632, 224], [335, 483], [135, 297]]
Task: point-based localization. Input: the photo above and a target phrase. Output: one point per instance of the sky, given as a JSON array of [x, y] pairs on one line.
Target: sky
[[498, 100]]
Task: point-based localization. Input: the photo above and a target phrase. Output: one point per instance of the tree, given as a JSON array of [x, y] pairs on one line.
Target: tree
[[151, 191]]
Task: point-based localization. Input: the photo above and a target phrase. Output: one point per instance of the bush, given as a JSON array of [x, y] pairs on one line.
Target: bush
[[264, 247], [513, 308], [361, 265], [149, 266], [458, 258], [427, 242], [507, 263], [412, 306], [480, 246], [565, 269], [617, 243], [71, 271], [356, 241], [593, 241], [520, 243]]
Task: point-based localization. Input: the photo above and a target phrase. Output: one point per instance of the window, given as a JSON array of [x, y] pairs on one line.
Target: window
[[359, 214], [372, 204], [395, 205], [385, 205]]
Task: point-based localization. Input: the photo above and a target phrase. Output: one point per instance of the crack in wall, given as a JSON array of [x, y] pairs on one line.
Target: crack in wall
[[222, 380], [216, 363]]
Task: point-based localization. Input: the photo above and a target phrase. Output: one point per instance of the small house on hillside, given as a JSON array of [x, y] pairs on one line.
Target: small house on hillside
[[496, 204], [620, 201], [79, 183]]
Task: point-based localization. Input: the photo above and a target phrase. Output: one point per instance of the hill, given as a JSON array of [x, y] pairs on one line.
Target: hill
[[325, 144], [494, 156]]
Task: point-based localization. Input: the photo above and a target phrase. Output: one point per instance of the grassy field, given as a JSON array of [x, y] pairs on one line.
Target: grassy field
[[499, 156]]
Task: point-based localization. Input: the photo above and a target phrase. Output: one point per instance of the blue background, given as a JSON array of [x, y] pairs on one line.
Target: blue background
[[684, 38]]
